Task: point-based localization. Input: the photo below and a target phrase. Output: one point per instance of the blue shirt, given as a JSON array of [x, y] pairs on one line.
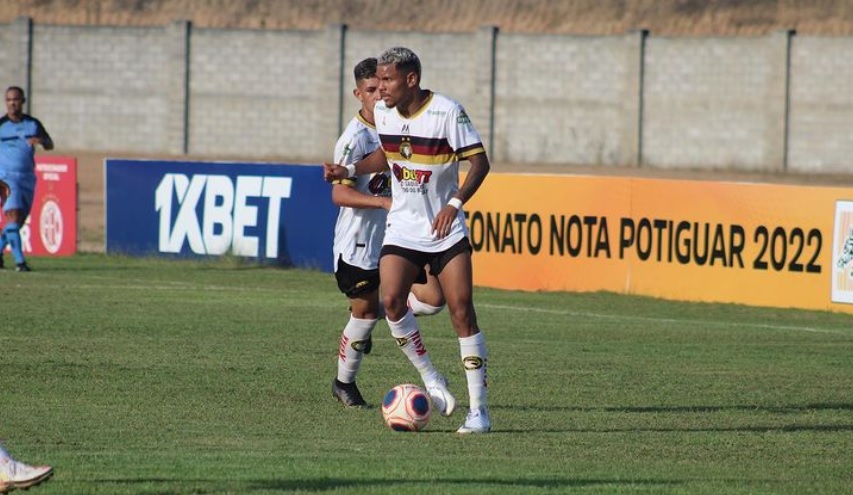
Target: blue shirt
[[17, 156]]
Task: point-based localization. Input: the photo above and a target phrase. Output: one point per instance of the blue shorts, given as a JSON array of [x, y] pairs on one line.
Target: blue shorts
[[21, 192]]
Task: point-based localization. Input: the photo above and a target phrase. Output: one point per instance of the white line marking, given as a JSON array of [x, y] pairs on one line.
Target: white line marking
[[585, 314]]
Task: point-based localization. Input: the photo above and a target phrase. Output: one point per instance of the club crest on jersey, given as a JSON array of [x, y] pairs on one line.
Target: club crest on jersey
[[406, 149]]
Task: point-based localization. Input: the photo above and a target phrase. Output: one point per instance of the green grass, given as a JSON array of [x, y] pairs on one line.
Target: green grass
[[146, 376]]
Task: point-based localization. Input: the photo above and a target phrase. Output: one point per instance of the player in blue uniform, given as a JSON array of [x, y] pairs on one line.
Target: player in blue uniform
[[19, 136]]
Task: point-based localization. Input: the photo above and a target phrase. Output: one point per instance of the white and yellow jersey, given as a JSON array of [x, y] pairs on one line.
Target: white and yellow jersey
[[423, 154], [359, 231]]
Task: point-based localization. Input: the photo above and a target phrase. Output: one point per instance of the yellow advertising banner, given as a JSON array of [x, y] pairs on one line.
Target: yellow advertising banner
[[756, 244]]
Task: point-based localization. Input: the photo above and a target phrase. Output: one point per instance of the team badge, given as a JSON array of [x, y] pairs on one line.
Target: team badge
[[406, 149]]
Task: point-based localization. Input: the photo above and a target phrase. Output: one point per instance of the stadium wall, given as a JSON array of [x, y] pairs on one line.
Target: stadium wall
[[775, 103]]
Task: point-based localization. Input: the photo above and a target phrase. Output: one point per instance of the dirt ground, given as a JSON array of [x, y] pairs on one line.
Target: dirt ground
[[90, 180], [661, 17]]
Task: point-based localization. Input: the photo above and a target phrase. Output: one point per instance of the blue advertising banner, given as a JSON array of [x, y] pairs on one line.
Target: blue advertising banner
[[280, 214]]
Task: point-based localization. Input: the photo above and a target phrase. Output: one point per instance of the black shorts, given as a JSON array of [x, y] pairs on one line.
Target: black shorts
[[354, 281], [436, 261]]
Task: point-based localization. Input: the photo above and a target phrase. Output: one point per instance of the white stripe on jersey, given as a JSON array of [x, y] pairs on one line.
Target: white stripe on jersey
[[359, 231], [423, 154]]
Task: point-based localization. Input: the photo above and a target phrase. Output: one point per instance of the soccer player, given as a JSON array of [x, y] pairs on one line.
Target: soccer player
[[14, 474], [423, 136], [364, 201], [19, 136]]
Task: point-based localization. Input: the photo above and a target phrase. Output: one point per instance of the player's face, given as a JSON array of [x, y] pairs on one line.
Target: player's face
[[14, 103], [393, 84], [367, 92]]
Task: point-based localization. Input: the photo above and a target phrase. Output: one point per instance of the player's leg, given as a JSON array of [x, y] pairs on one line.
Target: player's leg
[[15, 211], [398, 269], [426, 296], [14, 474], [361, 287], [4, 193], [12, 237], [456, 277]]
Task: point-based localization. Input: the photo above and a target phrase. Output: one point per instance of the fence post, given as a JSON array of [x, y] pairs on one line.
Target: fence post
[[22, 58], [485, 65], [778, 99], [179, 33], [632, 138]]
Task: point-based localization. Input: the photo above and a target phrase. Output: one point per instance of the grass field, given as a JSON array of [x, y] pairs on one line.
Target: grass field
[[141, 376]]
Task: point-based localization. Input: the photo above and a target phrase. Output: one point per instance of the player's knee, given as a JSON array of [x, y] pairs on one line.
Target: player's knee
[[395, 305]]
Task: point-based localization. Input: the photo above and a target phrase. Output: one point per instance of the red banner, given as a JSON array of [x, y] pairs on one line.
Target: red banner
[[51, 229]]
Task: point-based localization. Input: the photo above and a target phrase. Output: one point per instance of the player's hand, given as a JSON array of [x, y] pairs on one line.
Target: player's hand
[[385, 201], [443, 222], [333, 172]]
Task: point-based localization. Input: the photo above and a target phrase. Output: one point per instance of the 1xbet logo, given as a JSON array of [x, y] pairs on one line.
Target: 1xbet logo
[[215, 215]]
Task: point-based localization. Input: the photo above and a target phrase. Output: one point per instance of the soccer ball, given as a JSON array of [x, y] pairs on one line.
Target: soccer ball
[[406, 408]]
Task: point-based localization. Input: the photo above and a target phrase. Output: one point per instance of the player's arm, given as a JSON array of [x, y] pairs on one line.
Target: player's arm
[[345, 195], [41, 138], [372, 163], [477, 173]]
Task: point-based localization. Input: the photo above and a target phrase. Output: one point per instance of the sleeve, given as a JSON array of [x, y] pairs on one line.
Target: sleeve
[[349, 151], [462, 136], [41, 131]]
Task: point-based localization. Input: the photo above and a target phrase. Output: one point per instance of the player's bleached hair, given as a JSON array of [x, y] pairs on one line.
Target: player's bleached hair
[[365, 69], [405, 59]]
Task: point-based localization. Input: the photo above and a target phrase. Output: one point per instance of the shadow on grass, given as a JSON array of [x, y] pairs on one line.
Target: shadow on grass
[[332, 484], [430, 485]]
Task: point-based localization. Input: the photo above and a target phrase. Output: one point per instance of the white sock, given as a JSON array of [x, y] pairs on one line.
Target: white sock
[[474, 358], [351, 350], [420, 308], [409, 340]]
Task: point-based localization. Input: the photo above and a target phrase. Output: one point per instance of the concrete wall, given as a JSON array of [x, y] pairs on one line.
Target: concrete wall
[[773, 103], [821, 110]]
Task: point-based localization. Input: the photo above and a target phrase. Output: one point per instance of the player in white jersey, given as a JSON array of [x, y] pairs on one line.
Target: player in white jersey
[[423, 137], [364, 201]]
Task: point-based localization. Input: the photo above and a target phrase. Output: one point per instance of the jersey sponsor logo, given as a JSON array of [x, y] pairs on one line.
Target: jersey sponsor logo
[[405, 129], [463, 119], [412, 180], [228, 210]]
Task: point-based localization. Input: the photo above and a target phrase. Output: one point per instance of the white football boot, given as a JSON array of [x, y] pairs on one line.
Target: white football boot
[[441, 398], [477, 421], [19, 475]]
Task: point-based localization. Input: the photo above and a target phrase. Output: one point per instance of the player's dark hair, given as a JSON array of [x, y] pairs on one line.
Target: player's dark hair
[[365, 69], [18, 89], [405, 60]]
